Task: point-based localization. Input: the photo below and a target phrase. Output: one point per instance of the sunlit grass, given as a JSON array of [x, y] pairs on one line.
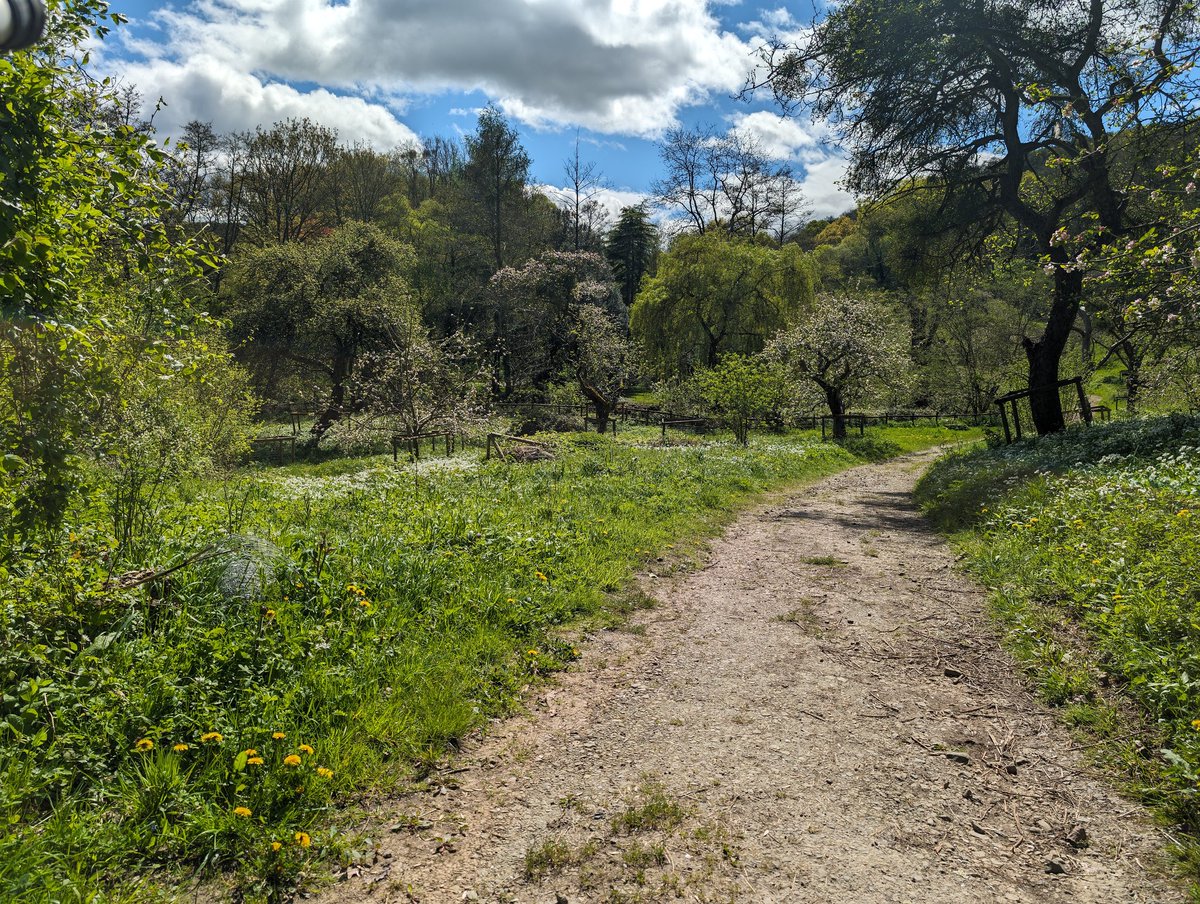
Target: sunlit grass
[[386, 612]]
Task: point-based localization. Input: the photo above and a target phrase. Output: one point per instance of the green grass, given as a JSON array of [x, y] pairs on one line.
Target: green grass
[[1091, 543], [650, 808], [398, 609]]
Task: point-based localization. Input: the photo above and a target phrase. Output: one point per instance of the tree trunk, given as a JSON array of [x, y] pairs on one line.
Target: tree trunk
[[1045, 353], [837, 408], [337, 399], [600, 404], [1133, 378]]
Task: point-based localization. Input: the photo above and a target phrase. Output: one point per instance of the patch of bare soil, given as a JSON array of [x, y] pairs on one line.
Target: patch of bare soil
[[822, 714]]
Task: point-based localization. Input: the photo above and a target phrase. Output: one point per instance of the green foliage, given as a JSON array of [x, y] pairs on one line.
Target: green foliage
[[496, 171], [320, 305], [89, 272], [1022, 137], [650, 808], [374, 614], [961, 486], [632, 250], [742, 391], [1090, 541], [716, 295]]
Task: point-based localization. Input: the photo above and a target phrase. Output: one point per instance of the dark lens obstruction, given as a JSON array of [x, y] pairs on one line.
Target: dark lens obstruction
[[28, 24]]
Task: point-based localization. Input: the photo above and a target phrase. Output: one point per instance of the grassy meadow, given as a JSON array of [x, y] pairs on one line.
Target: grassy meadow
[[351, 621], [1090, 541]]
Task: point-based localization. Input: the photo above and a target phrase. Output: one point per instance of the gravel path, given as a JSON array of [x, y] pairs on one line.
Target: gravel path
[[821, 714]]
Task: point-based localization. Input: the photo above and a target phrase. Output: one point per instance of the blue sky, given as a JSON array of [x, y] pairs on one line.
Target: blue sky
[[617, 73]]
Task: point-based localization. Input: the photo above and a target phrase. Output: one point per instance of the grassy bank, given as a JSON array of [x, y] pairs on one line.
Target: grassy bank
[[353, 619], [1091, 541]]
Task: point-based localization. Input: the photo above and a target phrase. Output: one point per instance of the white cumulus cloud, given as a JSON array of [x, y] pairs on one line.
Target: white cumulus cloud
[[615, 66]]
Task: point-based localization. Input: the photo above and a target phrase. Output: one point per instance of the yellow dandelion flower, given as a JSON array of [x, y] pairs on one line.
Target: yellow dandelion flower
[[302, 839], [1183, 513], [304, 748], [531, 653], [540, 576], [250, 752], [215, 736], [278, 735], [254, 761], [1196, 724], [241, 811], [275, 845], [366, 604], [180, 748], [145, 745], [270, 614], [324, 773], [291, 760]]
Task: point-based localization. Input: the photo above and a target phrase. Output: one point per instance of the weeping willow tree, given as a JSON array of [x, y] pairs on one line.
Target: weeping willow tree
[[714, 295]]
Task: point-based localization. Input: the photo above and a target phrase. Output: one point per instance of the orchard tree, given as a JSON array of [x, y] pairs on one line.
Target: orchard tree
[[1144, 291], [601, 359], [416, 384], [632, 250], [320, 306], [850, 346], [713, 295], [1021, 104], [532, 314]]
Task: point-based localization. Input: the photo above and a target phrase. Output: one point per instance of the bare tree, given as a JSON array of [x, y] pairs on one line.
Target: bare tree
[[362, 178], [586, 217], [725, 181], [285, 179], [192, 172]]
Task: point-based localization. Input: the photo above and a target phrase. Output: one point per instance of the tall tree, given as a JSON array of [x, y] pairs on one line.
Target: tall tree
[[497, 172], [585, 215], [361, 179], [1018, 102], [285, 179], [632, 249], [190, 174], [714, 295], [723, 181]]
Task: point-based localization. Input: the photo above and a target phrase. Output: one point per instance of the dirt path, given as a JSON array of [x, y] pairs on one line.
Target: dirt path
[[820, 715]]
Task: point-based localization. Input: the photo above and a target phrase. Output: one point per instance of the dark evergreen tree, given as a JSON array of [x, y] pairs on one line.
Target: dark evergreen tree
[[632, 250]]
